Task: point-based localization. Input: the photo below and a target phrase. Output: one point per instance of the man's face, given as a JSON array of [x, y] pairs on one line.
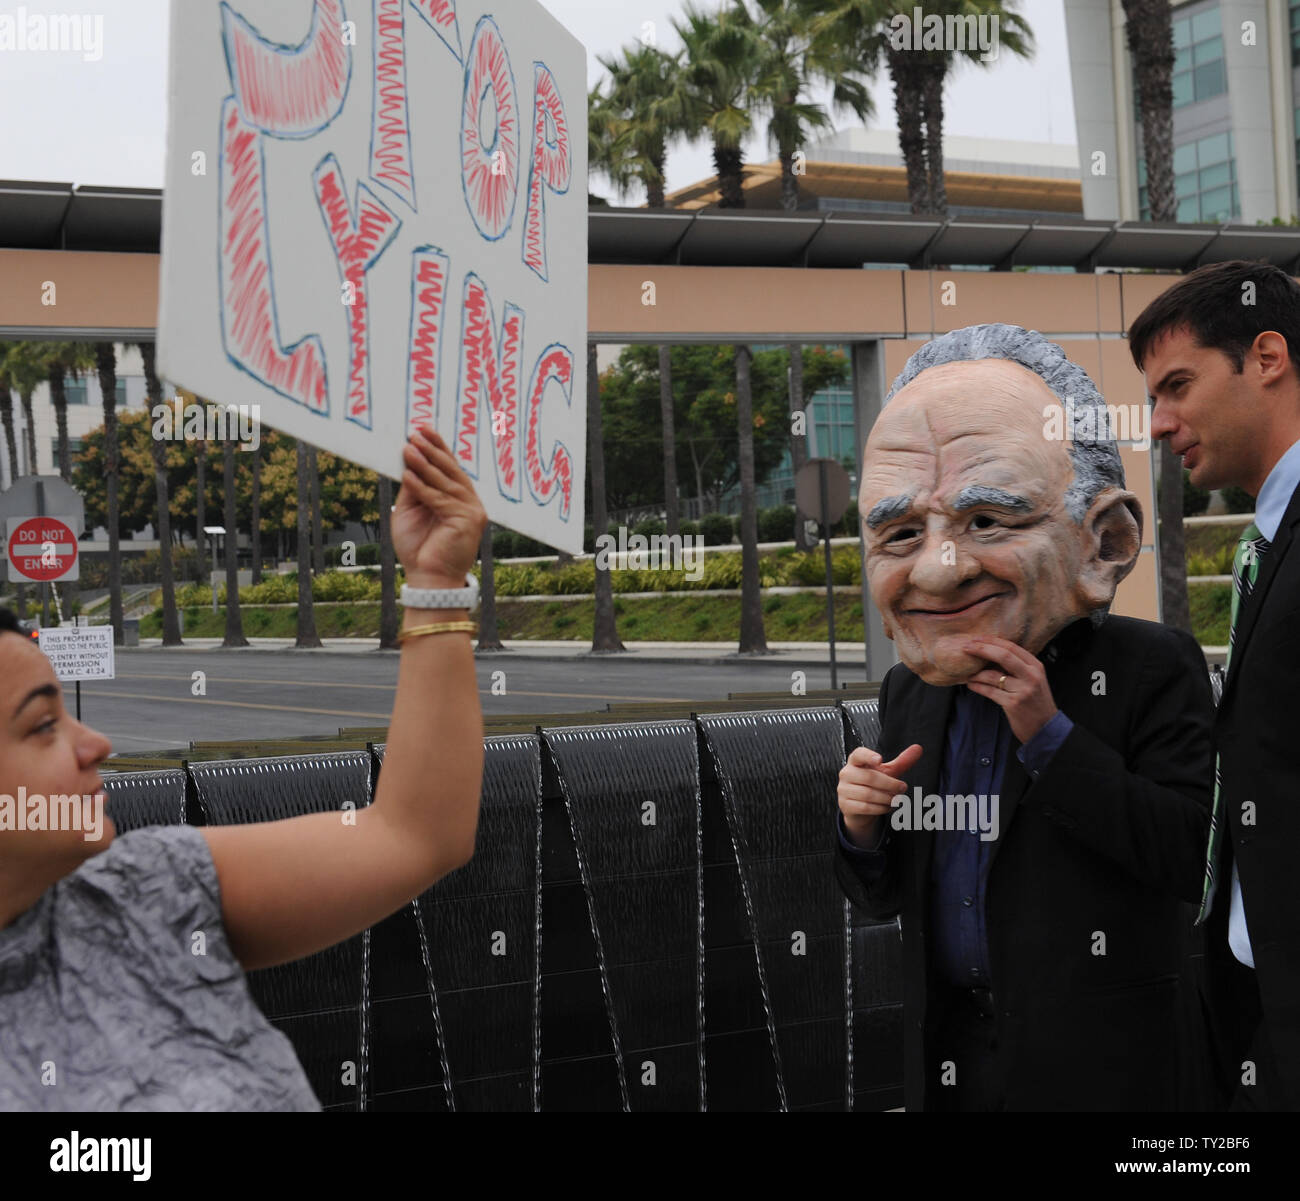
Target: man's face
[[45, 751], [1199, 402], [962, 501]]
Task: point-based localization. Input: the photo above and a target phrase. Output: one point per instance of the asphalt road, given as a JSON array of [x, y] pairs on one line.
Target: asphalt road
[[279, 694]]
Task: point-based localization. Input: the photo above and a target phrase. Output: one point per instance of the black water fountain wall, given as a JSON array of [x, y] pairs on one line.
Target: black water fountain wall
[[650, 922]]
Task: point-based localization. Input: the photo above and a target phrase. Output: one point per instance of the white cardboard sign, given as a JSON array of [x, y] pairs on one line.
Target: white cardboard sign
[[80, 653], [376, 217]]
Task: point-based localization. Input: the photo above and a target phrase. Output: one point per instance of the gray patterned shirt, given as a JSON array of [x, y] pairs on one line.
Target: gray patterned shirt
[[119, 991]]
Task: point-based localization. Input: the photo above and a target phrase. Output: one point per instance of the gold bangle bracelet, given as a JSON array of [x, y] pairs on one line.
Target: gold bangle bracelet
[[442, 627]]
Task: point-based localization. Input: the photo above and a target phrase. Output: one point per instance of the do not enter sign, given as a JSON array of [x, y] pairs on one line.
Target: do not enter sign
[[42, 549]]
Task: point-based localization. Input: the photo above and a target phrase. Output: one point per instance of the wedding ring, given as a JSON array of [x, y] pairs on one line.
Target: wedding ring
[[1002, 682]]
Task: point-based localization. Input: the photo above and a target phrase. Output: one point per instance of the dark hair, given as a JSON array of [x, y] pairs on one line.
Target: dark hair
[[1208, 302], [9, 622]]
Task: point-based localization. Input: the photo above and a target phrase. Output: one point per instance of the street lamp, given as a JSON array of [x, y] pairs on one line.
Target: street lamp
[[210, 530]]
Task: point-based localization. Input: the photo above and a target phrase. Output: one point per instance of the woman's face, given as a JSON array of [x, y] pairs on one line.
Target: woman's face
[[49, 764]]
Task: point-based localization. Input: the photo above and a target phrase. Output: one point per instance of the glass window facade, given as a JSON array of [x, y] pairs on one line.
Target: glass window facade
[[1199, 70], [1205, 180], [78, 392]]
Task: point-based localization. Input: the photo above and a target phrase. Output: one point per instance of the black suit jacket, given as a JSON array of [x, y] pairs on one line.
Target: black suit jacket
[[1259, 766], [1092, 856]]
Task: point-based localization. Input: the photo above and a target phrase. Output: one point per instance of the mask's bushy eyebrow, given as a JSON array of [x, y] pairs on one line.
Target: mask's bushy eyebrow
[[982, 494], [888, 509]]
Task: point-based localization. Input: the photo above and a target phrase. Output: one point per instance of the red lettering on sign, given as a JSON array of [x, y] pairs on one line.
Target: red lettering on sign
[[490, 373], [555, 364], [552, 165]]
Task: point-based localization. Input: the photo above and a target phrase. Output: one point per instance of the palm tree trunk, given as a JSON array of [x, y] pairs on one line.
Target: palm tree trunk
[[932, 98], [911, 138], [489, 634], [7, 416], [388, 616], [729, 162], [789, 182], [59, 399], [1149, 30], [307, 637], [201, 499], [317, 539], [605, 627], [234, 618], [256, 517], [752, 639], [171, 631], [106, 369], [666, 418], [798, 442], [31, 432]]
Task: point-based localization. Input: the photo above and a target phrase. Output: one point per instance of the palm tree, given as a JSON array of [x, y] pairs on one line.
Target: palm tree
[[256, 516], [715, 92], [234, 618], [862, 28], [489, 633], [171, 629], [628, 134], [605, 638], [201, 497], [307, 637], [388, 619], [106, 368], [793, 60], [1148, 27], [63, 359], [753, 641], [22, 370], [317, 531]]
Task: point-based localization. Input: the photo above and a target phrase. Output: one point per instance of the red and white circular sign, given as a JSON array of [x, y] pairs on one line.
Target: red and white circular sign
[[42, 549]]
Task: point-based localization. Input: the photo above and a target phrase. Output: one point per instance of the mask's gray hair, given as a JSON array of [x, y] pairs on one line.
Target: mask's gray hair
[[1093, 452]]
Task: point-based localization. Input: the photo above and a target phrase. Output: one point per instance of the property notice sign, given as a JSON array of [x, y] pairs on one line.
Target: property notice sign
[[375, 218], [42, 549], [81, 653]]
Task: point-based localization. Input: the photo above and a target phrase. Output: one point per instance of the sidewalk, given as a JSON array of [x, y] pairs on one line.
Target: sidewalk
[[721, 654]]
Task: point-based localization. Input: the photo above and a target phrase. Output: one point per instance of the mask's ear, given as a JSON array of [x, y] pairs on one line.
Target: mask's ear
[[1112, 538]]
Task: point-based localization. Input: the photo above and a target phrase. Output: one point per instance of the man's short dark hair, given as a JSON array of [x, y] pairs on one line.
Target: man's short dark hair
[[1210, 303], [9, 622]]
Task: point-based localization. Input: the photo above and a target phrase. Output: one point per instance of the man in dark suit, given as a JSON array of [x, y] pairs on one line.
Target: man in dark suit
[[1039, 800], [1221, 355]]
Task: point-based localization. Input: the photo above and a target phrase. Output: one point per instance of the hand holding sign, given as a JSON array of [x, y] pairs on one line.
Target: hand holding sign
[[438, 521]]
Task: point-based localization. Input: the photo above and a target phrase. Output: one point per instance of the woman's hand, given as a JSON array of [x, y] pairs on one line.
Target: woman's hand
[[438, 520], [1017, 682]]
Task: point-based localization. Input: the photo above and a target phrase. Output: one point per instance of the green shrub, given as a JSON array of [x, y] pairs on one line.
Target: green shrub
[[716, 529], [650, 527], [1238, 500], [688, 529], [1195, 500], [776, 524]]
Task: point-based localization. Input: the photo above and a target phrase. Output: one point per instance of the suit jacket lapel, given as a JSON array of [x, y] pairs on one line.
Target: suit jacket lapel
[[1268, 568], [928, 726]]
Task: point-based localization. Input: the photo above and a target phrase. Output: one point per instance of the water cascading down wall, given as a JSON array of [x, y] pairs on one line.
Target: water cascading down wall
[[650, 923]]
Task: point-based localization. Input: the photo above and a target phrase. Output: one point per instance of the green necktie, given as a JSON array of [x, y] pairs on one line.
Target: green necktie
[[1245, 569]]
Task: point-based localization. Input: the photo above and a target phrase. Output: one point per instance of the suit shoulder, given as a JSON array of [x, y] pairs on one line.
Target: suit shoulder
[[1139, 641]]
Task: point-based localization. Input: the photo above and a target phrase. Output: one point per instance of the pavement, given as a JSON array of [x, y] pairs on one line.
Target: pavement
[[797, 654], [699, 654]]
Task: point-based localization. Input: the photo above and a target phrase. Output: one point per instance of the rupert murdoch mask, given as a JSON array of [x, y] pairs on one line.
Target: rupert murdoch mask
[[992, 500]]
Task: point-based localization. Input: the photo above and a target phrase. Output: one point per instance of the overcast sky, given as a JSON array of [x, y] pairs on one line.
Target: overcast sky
[[67, 120]]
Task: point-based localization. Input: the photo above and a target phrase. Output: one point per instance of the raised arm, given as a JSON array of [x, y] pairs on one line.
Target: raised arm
[[291, 888]]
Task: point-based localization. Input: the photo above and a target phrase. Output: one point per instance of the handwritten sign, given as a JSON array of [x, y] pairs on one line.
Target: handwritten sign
[[375, 218], [80, 653]]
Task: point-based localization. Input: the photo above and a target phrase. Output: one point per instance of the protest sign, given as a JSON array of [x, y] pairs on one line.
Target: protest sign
[[375, 218]]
